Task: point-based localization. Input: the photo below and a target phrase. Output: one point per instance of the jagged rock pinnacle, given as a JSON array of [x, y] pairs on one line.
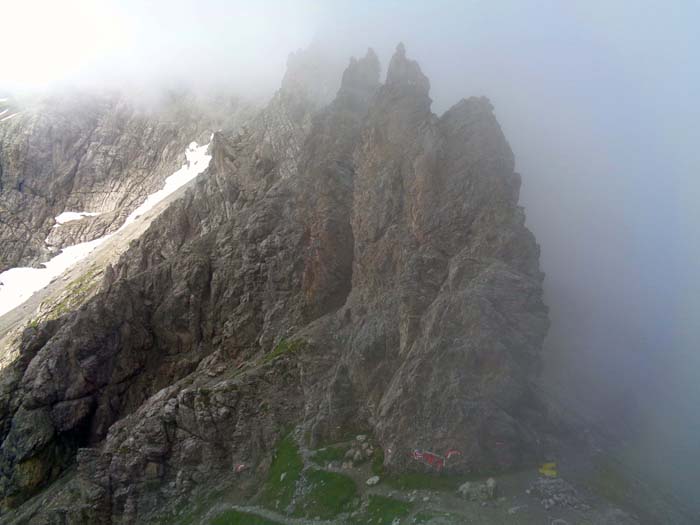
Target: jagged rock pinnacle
[[360, 79], [403, 71]]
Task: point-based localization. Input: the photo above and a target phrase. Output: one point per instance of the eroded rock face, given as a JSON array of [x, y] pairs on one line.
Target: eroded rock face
[[440, 333], [384, 242], [86, 153]]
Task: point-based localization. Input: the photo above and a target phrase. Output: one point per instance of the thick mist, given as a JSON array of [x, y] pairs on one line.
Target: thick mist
[[598, 101], [145, 47]]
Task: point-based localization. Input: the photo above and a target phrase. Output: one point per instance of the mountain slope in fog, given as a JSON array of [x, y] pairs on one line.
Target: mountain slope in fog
[[353, 267]]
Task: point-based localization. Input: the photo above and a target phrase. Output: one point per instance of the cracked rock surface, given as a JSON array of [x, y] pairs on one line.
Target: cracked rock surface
[[82, 152], [350, 266]]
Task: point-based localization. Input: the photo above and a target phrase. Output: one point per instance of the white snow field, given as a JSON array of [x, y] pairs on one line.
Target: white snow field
[[69, 216], [197, 162], [9, 117], [18, 284]]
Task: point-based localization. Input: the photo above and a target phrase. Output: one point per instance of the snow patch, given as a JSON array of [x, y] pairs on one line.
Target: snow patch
[[3, 112], [69, 216], [18, 284], [197, 162]]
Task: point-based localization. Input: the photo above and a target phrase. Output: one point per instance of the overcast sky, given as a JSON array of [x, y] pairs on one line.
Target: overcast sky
[[597, 98]]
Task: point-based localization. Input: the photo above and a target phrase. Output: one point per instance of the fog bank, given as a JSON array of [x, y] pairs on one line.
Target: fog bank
[[597, 99]]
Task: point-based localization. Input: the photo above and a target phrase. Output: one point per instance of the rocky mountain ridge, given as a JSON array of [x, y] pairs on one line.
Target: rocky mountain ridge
[[86, 152], [356, 267]]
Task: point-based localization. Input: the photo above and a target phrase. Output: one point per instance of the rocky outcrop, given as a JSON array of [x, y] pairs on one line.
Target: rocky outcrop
[[358, 266], [89, 153], [440, 333]]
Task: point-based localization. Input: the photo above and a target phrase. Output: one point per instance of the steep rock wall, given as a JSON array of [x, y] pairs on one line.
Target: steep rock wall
[[382, 244]]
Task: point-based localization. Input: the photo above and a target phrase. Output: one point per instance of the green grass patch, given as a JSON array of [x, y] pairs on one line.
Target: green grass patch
[[417, 481], [378, 461], [284, 473], [235, 517], [325, 455], [76, 293], [383, 511], [329, 494], [284, 347]]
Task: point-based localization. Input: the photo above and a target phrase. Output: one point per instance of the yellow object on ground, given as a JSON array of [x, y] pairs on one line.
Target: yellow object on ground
[[549, 470]]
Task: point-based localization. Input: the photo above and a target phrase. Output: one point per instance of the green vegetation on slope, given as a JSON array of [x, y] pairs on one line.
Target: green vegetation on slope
[[318, 492], [325, 455], [378, 461], [76, 293], [328, 495], [282, 348], [285, 471]]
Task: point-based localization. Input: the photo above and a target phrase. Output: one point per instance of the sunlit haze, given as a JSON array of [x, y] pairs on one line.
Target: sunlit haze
[[598, 101]]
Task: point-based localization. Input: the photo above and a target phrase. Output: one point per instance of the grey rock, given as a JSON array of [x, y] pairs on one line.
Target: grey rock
[[556, 491], [96, 153], [372, 481], [619, 517], [386, 241], [474, 491]]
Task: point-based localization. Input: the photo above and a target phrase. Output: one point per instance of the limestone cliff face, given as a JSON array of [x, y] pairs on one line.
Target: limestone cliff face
[[86, 153], [440, 333], [358, 265]]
